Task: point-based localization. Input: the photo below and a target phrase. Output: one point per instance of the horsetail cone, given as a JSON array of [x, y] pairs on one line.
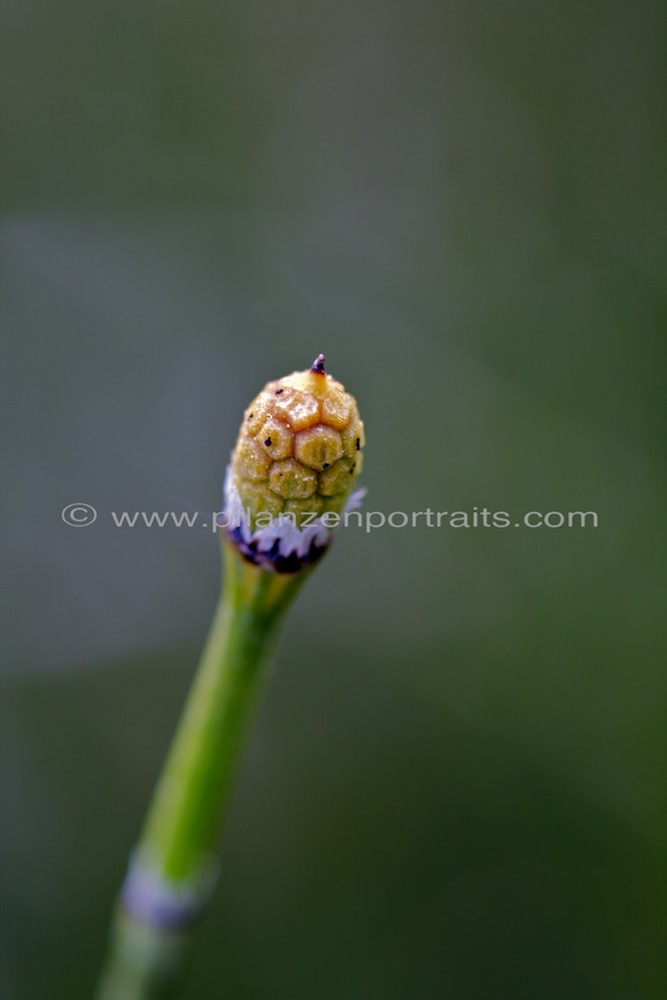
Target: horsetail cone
[[292, 471]]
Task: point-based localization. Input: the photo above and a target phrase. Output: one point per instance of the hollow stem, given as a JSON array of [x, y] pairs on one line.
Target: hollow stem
[[173, 868]]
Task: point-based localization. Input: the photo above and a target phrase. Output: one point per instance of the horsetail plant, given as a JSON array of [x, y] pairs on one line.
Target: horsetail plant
[[294, 465]]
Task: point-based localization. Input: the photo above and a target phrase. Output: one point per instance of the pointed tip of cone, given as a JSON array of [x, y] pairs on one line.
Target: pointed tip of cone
[[318, 365]]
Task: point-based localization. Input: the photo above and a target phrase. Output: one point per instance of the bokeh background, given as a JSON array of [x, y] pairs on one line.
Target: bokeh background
[[455, 785]]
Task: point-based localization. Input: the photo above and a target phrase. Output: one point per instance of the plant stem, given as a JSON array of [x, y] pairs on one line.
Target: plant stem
[[173, 867]]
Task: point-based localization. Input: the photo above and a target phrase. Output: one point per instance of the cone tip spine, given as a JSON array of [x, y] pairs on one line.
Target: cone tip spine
[[318, 365]]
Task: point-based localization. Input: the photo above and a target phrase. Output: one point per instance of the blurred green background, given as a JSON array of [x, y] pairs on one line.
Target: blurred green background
[[455, 785]]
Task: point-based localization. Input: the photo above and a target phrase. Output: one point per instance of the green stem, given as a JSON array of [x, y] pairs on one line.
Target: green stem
[[173, 867]]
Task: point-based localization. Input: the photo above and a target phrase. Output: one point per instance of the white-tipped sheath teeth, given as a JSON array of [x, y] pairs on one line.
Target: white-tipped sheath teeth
[[157, 901], [282, 538]]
